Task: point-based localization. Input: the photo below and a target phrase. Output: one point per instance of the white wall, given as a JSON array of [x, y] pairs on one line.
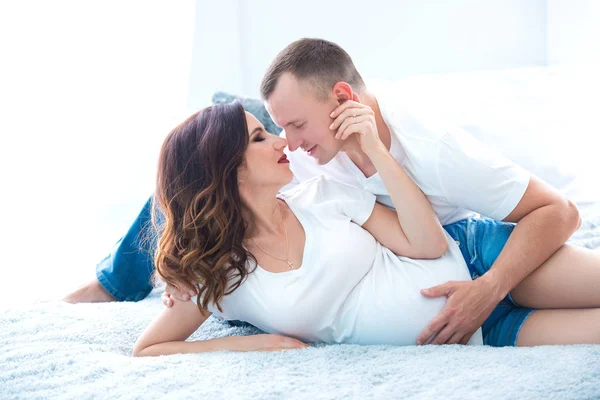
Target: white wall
[[88, 93], [216, 58], [573, 31], [387, 39]]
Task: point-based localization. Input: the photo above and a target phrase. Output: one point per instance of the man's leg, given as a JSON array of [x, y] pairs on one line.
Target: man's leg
[[124, 275], [563, 326], [556, 304], [570, 278]]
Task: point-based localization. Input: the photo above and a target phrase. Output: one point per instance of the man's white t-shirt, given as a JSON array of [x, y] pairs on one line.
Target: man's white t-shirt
[[459, 175], [349, 288]]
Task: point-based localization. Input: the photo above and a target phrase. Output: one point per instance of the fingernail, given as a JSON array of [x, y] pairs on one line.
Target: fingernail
[[419, 342], [331, 126], [332, 113]]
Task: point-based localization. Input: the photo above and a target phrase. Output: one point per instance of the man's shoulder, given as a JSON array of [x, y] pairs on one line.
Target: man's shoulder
[[404, 121]]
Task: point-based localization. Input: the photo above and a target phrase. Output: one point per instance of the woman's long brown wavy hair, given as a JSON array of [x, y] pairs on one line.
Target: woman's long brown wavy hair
[[200, 239]]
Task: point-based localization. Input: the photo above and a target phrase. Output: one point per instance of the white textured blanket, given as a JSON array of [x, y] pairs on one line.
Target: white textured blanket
[[63, 351]]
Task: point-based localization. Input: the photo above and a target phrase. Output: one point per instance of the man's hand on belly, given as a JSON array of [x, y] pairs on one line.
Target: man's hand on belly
[[468, 306]]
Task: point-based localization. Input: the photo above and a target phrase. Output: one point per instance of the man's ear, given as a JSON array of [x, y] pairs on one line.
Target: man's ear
[[343, 92]]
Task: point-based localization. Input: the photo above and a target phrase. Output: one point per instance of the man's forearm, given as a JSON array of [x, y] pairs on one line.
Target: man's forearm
[[534, 239]]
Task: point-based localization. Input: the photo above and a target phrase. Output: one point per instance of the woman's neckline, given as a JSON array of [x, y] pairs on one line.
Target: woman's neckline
[[306, 254]]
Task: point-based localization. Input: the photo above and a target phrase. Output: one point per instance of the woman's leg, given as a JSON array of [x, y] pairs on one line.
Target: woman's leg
[[568, 279], [549, 327], [123, 275]]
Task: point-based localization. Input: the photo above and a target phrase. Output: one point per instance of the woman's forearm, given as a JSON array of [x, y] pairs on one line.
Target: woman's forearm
[[262, 342], [200, 346], [418, 220]]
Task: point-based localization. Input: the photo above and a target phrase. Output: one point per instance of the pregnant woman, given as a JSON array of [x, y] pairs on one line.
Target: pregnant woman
[[322, 262]]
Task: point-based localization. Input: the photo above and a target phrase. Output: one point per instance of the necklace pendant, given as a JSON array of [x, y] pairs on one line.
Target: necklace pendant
[[290, 264]]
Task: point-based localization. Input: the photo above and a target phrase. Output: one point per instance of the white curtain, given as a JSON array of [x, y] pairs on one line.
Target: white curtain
[[88, 91]]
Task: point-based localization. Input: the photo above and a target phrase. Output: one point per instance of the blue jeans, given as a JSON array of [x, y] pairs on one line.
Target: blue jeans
[[125, 273], [480, 241]]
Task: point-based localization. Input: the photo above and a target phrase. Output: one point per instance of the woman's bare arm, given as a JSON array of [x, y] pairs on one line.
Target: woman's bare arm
[[167, 334], [413, 229]]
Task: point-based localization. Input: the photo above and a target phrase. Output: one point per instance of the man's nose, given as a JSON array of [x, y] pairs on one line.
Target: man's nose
[[293, 142]]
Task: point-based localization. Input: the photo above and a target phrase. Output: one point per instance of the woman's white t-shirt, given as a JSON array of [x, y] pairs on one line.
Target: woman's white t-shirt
[[349, 289]]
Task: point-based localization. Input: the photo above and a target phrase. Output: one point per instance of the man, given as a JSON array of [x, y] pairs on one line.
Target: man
[[313, 90]]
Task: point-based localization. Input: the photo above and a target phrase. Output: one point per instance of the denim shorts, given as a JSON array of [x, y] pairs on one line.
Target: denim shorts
[[480, 241], [125, 273]]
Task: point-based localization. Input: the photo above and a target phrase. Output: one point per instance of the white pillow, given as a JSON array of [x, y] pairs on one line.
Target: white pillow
[[538, 117]]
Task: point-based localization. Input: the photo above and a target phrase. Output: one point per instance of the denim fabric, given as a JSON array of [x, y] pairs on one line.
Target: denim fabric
[[125, 273], [480, 241]]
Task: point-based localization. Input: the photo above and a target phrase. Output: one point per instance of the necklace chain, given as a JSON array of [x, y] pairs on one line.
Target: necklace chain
[[287, 246]]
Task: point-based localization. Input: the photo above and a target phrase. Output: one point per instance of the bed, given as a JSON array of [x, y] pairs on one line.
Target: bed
[[542, 118]]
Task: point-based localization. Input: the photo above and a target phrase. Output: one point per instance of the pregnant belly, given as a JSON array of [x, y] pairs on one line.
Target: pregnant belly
[[388, 308], [397, 320]]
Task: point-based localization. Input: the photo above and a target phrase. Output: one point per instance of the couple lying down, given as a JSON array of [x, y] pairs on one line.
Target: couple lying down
[[324, 261]]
